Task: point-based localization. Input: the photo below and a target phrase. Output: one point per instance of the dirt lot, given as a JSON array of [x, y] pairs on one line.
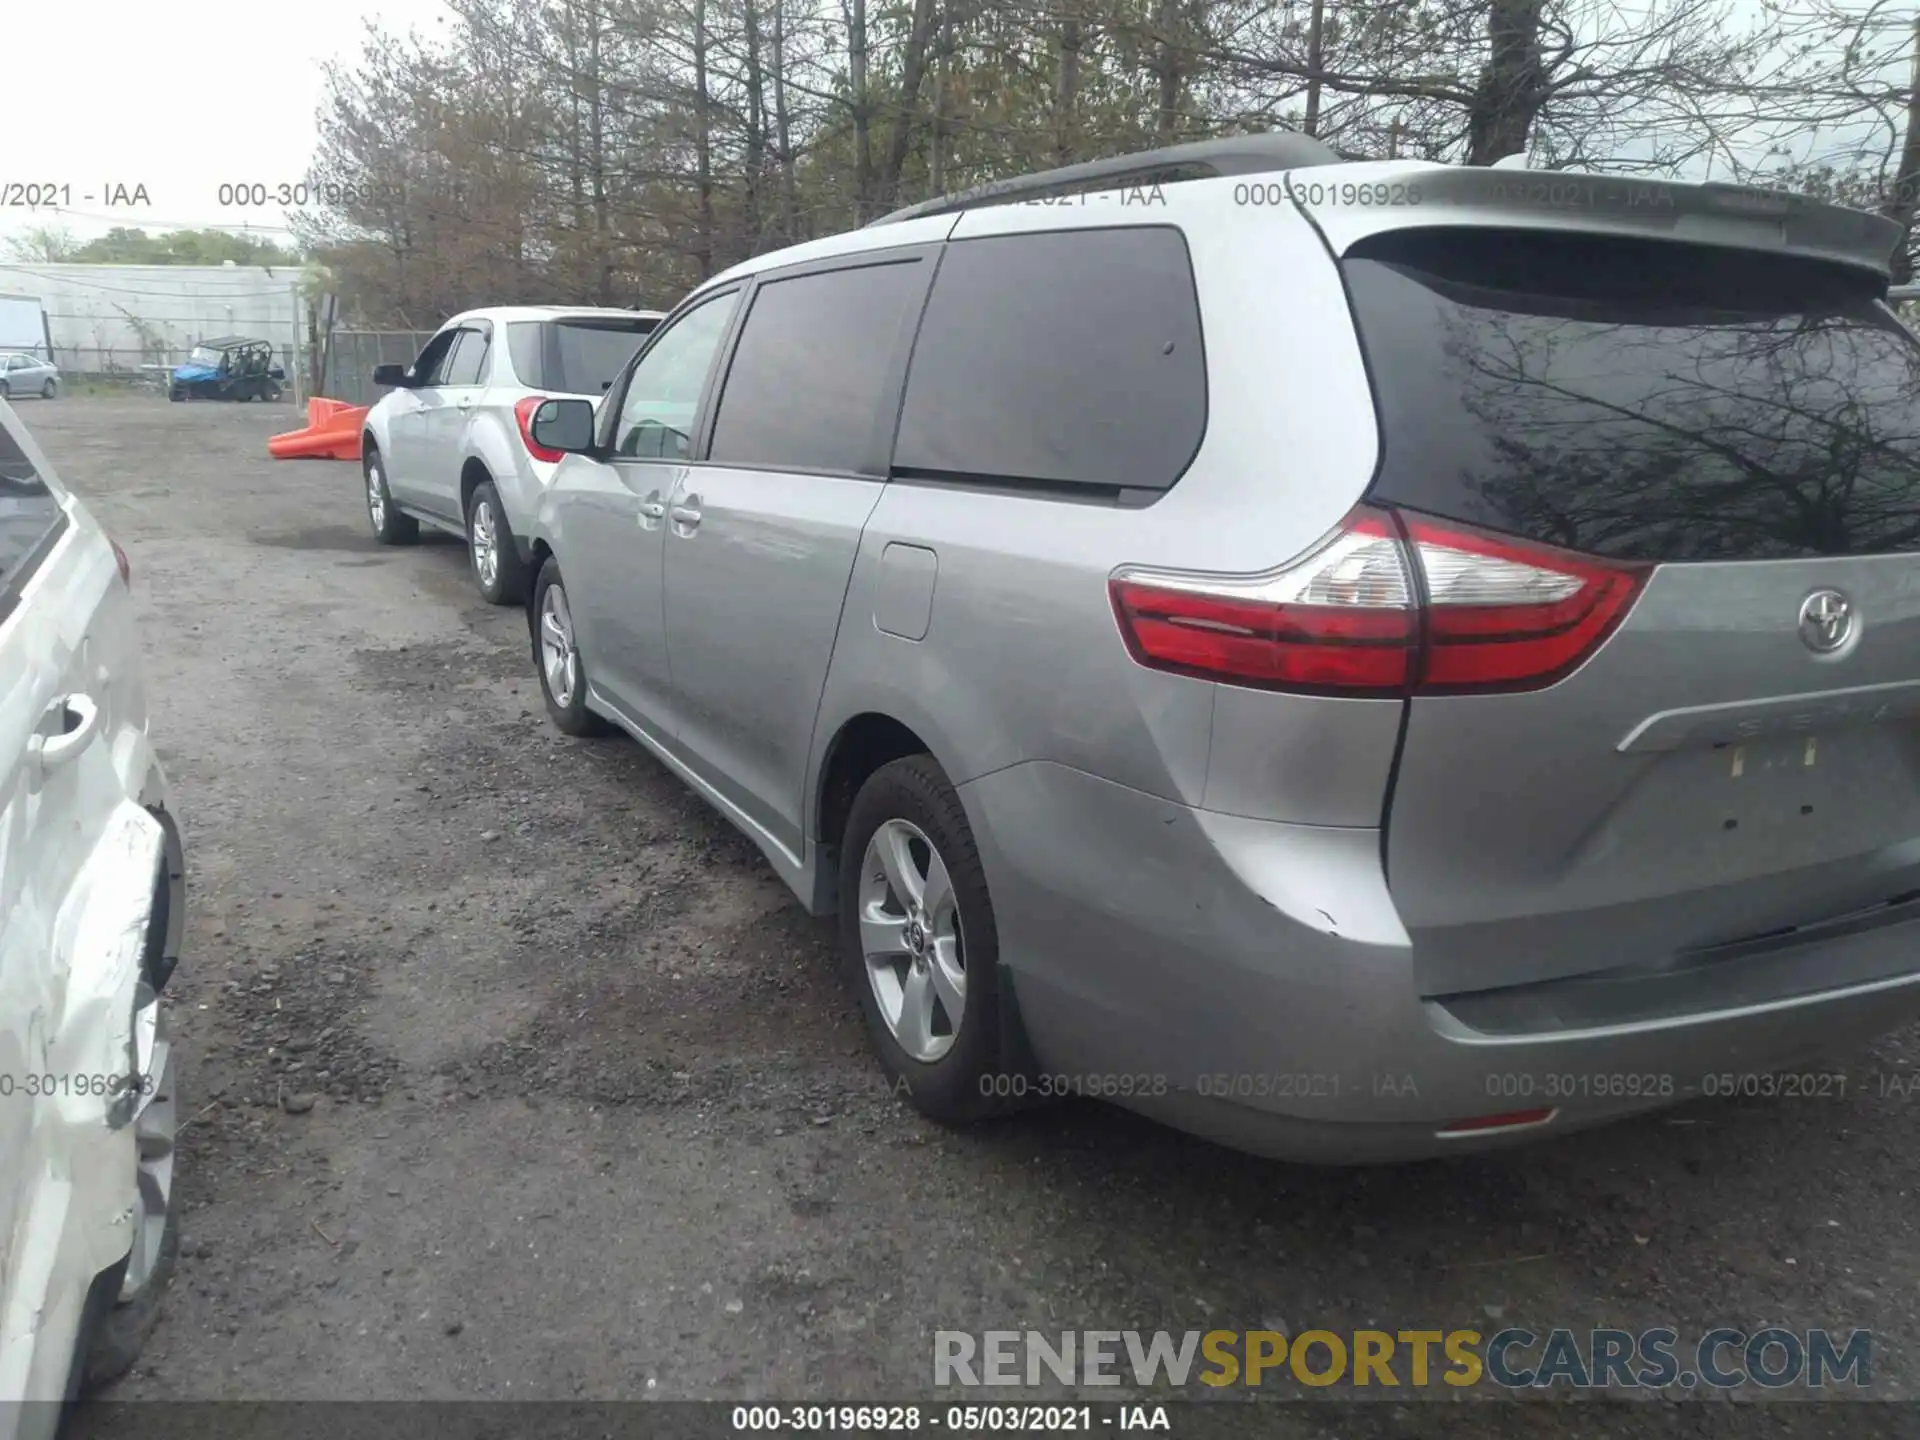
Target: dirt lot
[[515, 1074]]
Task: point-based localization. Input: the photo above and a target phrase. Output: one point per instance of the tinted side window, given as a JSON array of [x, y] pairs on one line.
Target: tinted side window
[[657, 412], [468, 360], [432, 363], [1640, 400], [30, 520], [804, 391], [589, 353], [524, 349], [1066, 358]]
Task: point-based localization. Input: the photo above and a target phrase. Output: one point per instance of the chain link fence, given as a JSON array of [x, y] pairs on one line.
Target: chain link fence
[[348, 358], [149, 366]]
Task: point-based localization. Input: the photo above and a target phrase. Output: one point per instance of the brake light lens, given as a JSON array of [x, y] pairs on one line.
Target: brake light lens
[[1510, 614], [1339, 619], [1510, 1120], [523, 413], [121, 562], [1385, 605]]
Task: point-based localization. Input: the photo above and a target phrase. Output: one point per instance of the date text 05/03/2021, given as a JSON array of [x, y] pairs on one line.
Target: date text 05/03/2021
[[957, 1419]]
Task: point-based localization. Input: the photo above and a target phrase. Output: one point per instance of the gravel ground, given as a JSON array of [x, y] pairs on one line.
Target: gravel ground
[[515, 1074]]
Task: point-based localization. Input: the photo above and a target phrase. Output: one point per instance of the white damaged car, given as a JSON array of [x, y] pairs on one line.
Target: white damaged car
[[92, 908]]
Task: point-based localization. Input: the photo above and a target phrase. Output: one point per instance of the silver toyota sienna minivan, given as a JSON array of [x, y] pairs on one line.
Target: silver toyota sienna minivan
[[1357, 660]]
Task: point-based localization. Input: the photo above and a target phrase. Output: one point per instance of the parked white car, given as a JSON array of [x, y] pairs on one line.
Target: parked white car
[[24, 374], [92, 908], [450, 444]]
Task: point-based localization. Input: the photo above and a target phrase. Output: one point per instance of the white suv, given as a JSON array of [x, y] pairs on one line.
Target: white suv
[[92, 907], [449, 444]]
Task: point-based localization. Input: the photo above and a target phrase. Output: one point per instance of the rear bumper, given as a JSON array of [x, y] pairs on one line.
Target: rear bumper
[[1251, 981]]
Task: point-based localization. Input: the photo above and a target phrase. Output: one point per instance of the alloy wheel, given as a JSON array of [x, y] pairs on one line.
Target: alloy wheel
[[486, 542], [911, 937], [559, 660], [155, 1125], [376, 495]]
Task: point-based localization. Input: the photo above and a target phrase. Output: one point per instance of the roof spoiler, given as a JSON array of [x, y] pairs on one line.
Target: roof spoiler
[[1743, 216]]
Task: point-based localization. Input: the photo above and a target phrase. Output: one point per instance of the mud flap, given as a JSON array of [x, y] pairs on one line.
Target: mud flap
[[1015, 1050]]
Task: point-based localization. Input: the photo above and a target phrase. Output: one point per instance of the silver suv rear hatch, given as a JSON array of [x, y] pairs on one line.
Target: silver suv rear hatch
[[1735, 765]]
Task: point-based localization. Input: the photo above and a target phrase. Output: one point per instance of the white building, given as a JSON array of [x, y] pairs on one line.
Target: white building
[[113, 318]]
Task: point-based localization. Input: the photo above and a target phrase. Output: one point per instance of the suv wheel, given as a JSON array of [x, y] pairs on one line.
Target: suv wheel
[[124, 1328], [390, 527], [917, 937], [496, 563], [563, 676]]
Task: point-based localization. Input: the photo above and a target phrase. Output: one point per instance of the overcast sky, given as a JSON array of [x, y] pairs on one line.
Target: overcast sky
[[178, 98], [182, 99]]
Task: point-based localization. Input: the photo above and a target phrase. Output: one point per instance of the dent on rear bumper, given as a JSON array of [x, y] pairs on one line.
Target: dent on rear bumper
[[1253, 977]]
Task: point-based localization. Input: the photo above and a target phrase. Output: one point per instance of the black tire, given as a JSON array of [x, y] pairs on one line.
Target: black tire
[[572, 718], [390, 527], [6, 391], [49, 390], [509, 585], [124, 1329], [272, 392], [957, 1088], [174, 392]]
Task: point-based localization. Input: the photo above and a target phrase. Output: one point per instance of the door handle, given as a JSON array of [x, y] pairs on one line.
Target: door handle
[[79, 721], [686, 515], [652, 511]]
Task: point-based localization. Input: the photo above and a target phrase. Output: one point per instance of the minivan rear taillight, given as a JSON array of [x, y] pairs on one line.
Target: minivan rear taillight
[[1340, 618], [1385, 605], [1511, 614], [523, 409]]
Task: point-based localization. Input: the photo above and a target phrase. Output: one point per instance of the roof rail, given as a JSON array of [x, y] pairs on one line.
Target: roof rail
[[1228, 155]]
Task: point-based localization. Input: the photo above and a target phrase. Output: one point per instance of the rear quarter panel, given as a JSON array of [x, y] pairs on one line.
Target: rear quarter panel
[[493, 439], [1022, 659]]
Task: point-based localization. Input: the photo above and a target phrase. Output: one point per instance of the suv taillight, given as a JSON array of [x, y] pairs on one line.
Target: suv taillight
[[523, 413], [1385, 605], [122, 564]]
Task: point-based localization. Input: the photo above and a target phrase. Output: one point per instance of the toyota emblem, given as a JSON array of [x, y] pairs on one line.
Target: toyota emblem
[[1826, 621]]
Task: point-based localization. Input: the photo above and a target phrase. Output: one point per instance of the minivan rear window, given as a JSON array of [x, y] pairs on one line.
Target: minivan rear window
[[1640, 400], [31, 519]]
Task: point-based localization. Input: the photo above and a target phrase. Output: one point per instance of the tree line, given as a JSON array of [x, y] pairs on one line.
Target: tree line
[[619, 151], [123, 245]]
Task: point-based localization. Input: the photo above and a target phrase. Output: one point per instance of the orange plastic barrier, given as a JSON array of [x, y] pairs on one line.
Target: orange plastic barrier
[[332, 433]]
